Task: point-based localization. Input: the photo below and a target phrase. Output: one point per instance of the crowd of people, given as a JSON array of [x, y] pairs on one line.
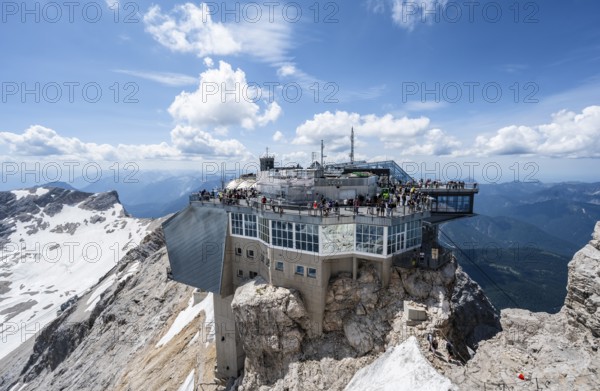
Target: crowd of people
[[395, 198]]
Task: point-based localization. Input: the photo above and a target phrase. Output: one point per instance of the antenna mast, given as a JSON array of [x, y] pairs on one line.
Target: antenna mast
[[352, 145], [322, 156]]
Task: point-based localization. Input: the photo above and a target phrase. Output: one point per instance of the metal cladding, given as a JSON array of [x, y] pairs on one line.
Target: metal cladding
[[196, 245]]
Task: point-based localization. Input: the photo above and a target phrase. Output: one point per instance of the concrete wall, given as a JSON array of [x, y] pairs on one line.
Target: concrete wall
[[230, 354]]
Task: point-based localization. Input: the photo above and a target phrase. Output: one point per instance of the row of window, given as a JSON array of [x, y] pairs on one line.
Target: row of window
[[413, 234], [299, 270], [243, 224], [369, 238], [454, 203], [395, 239]]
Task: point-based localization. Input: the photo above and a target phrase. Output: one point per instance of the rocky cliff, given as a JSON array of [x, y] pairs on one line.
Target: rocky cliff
[[552, 352], [115, 345], [361, 321]]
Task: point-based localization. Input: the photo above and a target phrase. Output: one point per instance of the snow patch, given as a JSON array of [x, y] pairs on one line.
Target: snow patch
[[57, 266], [188, 384], [400, 368], [40, 191], [95, 296], [187, 315]]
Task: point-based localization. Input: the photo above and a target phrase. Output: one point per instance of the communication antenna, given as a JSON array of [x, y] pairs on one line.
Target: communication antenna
[[322, 156], [352, 145]]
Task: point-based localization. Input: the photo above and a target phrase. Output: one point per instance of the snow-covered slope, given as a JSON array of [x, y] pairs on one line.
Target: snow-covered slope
[[401, 368], [55, 244]]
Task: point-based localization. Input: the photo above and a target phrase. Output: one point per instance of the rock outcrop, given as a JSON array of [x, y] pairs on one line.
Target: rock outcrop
[[582, 304], [113, 345], [552, 351], [272, 323], [361, 321]]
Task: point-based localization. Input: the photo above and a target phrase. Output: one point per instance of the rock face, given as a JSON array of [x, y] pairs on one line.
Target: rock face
[[361, 321], [553, 352], [272, 323], [582, 304], [113, 346]]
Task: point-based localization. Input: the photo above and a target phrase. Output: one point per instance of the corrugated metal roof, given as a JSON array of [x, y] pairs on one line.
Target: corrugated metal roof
[[196, 245]]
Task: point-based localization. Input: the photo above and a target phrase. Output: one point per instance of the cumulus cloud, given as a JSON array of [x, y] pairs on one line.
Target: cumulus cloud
[[278, 136], [41, 141], [223, 99], [190, 140], [335, 129], [570, 135], [190, 28]]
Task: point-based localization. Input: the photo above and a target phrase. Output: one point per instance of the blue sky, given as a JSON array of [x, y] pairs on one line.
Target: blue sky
[[504, 83]]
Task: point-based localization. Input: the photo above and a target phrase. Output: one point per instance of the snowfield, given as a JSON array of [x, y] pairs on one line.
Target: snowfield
[[49, 259], [401, 368]]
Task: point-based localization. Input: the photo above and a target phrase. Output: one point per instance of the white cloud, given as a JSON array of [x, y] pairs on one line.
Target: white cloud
[[286, 70], [335, 129], [223, 99], [190, 140], [190, 28], [278, 136], [435, 143], [166, 78], [41, 141], [408, 14], [209, 62], [569, 135]]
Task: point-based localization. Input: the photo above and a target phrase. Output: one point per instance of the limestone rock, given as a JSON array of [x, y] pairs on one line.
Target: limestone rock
[[582, 303]]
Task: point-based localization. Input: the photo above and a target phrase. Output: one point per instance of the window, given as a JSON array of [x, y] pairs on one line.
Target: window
[[250, 225], [250, 253], [279, 266], [237, 227], [307, 237], [369, 238], [395, 239], [300, 270], [238, 251], [312, 272], [240, 273], [253, 274], [413, 233], [263, 229], [243, 224], [283, 234]]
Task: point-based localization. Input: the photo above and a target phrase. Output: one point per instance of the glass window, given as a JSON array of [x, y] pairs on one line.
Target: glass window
[[307, 237], [253, 274], [369, 238], [250, 253], [283, 234], [279, 266], [237, 224], [263, 227], [250, 225], [312, 272], [300, 270], [395, 239], [238, 251], [413, 233], [240, 273]]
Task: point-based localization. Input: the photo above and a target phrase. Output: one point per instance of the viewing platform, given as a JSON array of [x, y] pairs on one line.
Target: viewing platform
[[345, 214]]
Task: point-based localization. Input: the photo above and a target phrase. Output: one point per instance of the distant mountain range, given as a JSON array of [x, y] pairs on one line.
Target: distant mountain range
[[519, 245]]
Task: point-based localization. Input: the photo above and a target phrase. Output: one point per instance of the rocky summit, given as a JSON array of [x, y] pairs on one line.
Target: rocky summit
[[136, 330]]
